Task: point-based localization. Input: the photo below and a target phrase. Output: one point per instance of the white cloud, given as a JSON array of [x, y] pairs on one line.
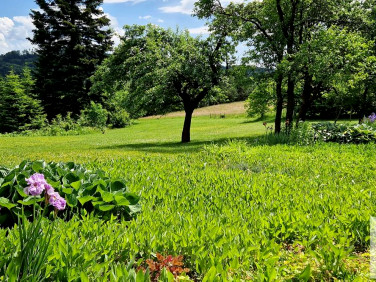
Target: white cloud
[[122, 1], [199, 30], [114, 24], [186, 6], [13, 33], [160, 21], [148, 17]]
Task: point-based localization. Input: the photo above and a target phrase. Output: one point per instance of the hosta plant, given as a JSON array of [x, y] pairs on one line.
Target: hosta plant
[[83, 190]]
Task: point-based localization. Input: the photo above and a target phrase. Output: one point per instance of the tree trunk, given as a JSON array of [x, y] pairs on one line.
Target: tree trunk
[[306, 98], [290, 100], [186, 134], [279, 106]]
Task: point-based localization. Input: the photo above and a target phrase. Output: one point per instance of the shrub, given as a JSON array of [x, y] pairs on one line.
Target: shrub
[[95, 115], [343, 133], [119, 118], [83, 190]]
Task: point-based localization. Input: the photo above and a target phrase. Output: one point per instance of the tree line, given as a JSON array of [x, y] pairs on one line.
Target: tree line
[[315, 56]]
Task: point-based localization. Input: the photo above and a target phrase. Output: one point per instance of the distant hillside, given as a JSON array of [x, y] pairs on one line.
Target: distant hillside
[[16, 60]]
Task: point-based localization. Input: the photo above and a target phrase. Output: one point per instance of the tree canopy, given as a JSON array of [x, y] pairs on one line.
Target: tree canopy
[[160, 69], [72, 37]]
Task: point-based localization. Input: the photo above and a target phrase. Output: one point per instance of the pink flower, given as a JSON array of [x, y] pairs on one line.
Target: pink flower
[[49, 189], [36, 184], [57, 201]]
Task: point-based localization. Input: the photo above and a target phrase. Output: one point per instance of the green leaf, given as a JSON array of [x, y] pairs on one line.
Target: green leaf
[[30, 201], [76, 185], [121, 201], [132, 198], [71, 200], [107, 196], [71, 177], [4, 202], [306, 274], [117, 185], [37, 166], [106, 207], [84, 199], [67, 190]]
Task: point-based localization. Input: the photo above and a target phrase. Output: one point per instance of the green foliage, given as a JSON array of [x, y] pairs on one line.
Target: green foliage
[[72, 38], [27, 263], [16, 61], [235, 211], [83, 189], [119, 118], [95, 115], [19, 109], [59, 126], [345, 133], [261, 98], [162, 70]]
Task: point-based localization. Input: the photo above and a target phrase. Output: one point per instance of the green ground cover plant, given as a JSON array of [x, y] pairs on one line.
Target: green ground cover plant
[[235, 210], [83, 190]]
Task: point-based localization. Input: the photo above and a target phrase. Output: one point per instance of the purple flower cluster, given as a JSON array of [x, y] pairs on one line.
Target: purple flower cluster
[[372, 117], [37, 184]]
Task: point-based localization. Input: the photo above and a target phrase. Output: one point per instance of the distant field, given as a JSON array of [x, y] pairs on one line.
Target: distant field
[[236, 108]]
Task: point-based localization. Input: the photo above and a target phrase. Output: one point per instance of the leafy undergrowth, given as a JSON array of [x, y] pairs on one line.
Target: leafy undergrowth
[[83, 190], [234, 212]]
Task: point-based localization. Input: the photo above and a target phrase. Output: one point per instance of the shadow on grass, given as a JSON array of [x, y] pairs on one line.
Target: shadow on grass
[[175, 147]]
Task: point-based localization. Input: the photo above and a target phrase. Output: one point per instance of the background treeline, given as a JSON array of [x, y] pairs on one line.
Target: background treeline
[[16, 61]]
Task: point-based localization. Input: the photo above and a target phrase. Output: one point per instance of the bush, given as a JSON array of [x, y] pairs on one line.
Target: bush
[[82, 189], [119, 118], [343, 133], [95, 115]]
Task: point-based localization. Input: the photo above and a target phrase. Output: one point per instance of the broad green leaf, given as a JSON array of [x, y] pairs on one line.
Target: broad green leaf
[[4, 202], [106, 207]]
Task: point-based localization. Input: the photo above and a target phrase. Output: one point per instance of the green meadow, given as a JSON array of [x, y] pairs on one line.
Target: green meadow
[[233, 209]]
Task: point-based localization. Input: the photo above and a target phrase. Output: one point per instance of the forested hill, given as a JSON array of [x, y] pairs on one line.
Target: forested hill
[[16, 60]]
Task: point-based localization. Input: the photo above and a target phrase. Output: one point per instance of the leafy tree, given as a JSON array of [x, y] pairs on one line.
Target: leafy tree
[[260, 99], [19, 109], [162, 69], [72, 38], [275, 31], [341, 66]]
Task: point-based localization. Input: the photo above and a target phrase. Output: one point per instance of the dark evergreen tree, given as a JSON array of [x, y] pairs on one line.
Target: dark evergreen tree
[[72, 38], [19, 109]]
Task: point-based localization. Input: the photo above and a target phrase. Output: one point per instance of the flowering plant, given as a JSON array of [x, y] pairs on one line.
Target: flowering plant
[[38, 184], [62, 186]]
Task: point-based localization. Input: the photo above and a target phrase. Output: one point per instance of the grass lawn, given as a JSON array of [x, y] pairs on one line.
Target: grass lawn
[[234, 211], [151, 136]]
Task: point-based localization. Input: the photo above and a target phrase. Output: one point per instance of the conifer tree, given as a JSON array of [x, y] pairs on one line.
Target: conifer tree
[[72, 37], [19, 109]]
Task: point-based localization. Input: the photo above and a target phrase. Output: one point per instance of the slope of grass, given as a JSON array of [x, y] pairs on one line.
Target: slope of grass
[[234, 211], [154, 136]]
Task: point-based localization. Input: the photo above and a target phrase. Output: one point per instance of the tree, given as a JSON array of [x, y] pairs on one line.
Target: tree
[[275, 31], [72, 38], [19, 109], [342, 65], [161, 69]]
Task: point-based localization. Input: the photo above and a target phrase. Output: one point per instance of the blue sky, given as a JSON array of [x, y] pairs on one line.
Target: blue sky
[[16, 25]]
